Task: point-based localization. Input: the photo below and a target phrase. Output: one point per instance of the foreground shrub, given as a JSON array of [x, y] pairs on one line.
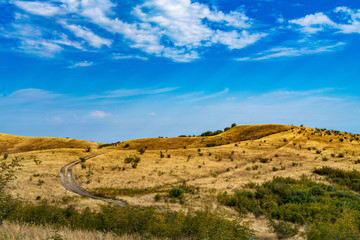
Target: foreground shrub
[[129, 220], [302, 202]]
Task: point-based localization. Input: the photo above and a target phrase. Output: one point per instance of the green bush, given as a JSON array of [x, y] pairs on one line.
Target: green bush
[[301, 202], [176, 192], [284, 229]]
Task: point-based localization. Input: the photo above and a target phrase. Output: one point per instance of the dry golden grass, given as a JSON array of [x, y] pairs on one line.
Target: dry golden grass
[[16, 144], [235, 134], [291, 152], [19, 231]]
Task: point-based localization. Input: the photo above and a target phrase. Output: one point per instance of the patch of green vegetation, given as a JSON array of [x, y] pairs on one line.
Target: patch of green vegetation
[[350, 179], [328, 211]]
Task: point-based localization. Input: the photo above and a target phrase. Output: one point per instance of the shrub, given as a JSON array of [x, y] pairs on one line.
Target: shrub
[[5, 156], [284, 229], [141, 151], [340, 155], [176, 192], [157, 197], [126, 145], [213, 144], [134, 159], [233, 125], [264, 160], [88, 149]]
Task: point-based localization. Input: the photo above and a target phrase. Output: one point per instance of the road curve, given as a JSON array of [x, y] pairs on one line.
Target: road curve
[[69, 183]]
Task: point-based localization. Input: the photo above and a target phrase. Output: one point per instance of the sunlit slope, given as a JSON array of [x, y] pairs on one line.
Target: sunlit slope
[[16, 144], [235, 134]]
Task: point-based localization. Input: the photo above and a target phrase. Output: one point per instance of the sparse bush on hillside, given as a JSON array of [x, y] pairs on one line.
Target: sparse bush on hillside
[[88, 149], [134, 159], [141, 151], [233, 125], [5, 156], [213, 144], [126, 145], [265, 160], [157, 197], [176, 192]]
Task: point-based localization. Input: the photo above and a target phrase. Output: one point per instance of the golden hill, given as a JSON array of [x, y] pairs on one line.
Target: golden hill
[[16, 144], [235, 134]]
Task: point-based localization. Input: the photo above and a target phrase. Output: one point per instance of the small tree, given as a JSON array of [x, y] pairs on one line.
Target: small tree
[[233, 125]]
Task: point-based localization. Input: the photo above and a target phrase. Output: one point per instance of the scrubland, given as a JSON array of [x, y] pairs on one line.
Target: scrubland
[[236, 174]]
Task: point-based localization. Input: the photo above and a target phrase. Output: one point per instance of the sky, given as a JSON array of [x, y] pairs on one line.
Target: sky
[[108, 71]]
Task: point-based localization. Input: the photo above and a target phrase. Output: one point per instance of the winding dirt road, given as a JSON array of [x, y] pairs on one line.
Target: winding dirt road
[[67, 180]]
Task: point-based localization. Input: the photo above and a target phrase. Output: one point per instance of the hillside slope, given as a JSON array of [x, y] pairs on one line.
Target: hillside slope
[[235, 134], [16, 144]]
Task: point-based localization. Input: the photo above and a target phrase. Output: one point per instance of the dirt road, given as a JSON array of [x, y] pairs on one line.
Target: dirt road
[[67, 180]]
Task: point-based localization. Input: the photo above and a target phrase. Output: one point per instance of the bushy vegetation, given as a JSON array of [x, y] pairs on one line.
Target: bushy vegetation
[[210, 133], [145, 222], [350, 179], [324, 208]]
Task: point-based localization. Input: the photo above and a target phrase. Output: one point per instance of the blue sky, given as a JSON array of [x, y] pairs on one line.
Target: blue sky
[[106, 70]]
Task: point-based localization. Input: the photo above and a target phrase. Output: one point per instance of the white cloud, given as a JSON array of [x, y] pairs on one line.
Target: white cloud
[[286, 51], [313, 23], [353, 17], [173, 30], [99, 114], [86, 34], [152, 114], [31, 40], [120, 56], [39, 8], [131, 93], [40, 47], [236, 40], [28, 95], [317, 22], [82, 64]]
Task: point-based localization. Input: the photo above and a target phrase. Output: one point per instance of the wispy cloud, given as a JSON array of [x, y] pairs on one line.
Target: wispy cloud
[[86, 34], [121, 56], [39, 8], [213, 95], [99, 114], [130, 93], [291, 51], [81, 64], [29, 95]]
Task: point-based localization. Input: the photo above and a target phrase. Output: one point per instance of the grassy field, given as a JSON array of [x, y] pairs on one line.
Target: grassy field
[[202, 167]]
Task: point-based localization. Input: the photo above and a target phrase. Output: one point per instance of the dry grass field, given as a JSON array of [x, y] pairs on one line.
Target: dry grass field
[[205, 165], [18, 231]]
